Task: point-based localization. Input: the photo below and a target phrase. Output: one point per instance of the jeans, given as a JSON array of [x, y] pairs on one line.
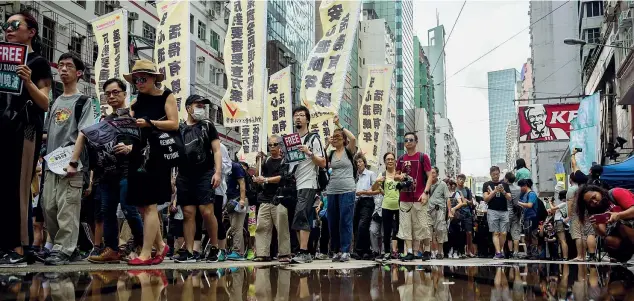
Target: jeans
[[113, 192], [340, 213], [363, 213]]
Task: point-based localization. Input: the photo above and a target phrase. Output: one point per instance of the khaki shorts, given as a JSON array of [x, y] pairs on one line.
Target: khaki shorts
[[577, 230], [439, 224], [413, 221]]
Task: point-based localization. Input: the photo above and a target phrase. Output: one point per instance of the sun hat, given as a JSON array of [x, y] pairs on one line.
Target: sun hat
[[144, 66]]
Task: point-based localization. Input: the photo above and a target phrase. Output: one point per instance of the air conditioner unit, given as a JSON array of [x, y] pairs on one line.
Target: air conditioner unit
[[61, 27], [630, 4], [625, 19], [200, 59], [113, 3], [133, 15], [211, 14]]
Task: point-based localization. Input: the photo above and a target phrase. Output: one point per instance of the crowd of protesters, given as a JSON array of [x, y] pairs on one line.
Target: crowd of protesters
[[330, 205]]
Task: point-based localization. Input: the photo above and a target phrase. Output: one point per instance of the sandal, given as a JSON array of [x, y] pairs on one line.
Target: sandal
[[576, 260]]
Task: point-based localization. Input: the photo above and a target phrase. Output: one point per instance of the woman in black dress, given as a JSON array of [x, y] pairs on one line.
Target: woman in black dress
[[21, 124], [149, 182]]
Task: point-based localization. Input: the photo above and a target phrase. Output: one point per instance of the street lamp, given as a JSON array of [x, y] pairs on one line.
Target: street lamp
[[583, 43]]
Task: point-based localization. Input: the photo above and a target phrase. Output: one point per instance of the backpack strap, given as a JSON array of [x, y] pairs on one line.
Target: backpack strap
[[79, 107]]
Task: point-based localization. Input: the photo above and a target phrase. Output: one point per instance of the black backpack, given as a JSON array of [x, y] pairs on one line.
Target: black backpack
[[542, 214], [322, 174], [350, 157], [196, 142]]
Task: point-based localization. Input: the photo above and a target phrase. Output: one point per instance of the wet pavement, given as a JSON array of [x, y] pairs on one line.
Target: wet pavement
[[357, 280]]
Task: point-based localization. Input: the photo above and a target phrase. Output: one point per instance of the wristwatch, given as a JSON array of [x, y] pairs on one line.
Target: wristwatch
[[73, 164], [266, 180], [427, 192]]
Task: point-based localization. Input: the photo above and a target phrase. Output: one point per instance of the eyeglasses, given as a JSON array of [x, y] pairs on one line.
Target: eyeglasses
[[409, 140], [139, 80], [68, 66], [274, 144], [113, 93], [13, 25], [389, 159], [299, 115], [337, 137]]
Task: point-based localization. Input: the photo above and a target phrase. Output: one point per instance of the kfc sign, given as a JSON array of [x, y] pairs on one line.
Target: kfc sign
[[542, 123]]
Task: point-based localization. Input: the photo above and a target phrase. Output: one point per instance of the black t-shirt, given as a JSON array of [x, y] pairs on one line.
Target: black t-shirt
[[201, 133], [270, 168], [498, 203]]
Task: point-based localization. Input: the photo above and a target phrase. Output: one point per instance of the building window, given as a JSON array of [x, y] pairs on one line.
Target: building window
[[200, 68], [95, 53], [149, 32], [593, 35], [103, 7], [80, 3], [191, 23], [202, 30], [75, 46], [594, 8], [214, 41], [219, 117], [48, 39]]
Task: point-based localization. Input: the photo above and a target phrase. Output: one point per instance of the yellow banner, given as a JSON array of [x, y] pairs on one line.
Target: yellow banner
[[245, 63], [373, 111], [280, 104], [111, 34], [172, 49], [327, 65], [252, 142]]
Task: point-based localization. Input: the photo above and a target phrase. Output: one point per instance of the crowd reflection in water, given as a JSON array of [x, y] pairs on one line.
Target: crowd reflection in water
[[532, 282]]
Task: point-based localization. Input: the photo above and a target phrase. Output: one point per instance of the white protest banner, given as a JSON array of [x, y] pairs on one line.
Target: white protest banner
[[280, 103]]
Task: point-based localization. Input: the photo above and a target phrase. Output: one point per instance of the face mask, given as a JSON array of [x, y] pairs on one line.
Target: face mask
[[198, 114]]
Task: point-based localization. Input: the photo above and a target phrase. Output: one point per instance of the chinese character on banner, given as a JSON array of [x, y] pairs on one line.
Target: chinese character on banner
[[278, 108], [172, 49], [112, 50], [252, 142], [323, 77], [374, 111], [245, 62]]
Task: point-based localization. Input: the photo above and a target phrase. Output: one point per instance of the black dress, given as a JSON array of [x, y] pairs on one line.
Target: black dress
[[154, 184]]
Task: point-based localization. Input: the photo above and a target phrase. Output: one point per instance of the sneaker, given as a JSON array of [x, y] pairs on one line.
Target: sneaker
[[108, 255], [426, 256], [336, 257], [213, 254], [498, 256], [250, 254], [222, 256], [76, 256], [42, 255], [367, 256], [439, 256], [387, 257], [321, 256], [179, 254], [234, 256], [419, 255], [284, 259], [302, 258], [58, 259], [345, 257], [13, 259], [96, 250], [408, 257], [185, 257]]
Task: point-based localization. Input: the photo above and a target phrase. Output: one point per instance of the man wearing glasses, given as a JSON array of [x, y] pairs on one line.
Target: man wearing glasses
[[536, 117], [271, 213]]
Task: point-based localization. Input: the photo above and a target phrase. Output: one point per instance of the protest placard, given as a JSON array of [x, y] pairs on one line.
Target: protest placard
[[292, 143], [12, 55]]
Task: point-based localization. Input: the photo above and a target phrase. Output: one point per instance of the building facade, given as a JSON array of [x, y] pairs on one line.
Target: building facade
[[512, 145], [424, 100], [448, 159], [502, 86], [435, 50], [525, 92]]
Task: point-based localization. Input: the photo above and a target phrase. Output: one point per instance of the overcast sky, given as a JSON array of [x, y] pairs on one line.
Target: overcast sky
[[482, 26]]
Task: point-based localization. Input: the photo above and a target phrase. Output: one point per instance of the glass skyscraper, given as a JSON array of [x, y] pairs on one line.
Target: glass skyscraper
[[502, 89]]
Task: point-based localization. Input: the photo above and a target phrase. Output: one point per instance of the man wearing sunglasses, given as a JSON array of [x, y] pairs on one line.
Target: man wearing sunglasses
[[272, 213]]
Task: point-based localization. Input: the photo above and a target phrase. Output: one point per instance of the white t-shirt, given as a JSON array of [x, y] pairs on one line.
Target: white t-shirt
[[226, 170], [306, 172]]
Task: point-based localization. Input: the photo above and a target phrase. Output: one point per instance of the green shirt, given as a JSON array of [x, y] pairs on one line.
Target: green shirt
[[522, 173], [390, 196]]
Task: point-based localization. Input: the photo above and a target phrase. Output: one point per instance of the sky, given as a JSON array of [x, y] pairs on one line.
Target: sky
[[481, 26]]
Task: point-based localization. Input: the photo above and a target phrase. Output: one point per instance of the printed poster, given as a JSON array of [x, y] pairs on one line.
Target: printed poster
[[546, 122], [252, 143], [292, 143], [103, 136], [172, 49], [111, 35], [57, 160], [373, 111], [279, 110], [324, 73], [245, 62], [12, 55], [585, 130]]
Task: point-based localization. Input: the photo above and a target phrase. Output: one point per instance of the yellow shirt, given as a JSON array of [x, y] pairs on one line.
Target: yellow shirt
[[390, 196]]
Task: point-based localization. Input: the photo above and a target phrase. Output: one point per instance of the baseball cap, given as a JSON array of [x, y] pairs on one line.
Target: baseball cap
[[196, 98]]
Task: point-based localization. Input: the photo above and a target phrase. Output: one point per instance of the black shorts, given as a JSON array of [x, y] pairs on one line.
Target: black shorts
[[194, 190], [175, 227], [38, 214], [305, 209], [467, 224]]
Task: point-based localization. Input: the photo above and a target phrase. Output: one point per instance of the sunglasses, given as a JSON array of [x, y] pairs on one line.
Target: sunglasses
[[274, 144], [13, 25], [410, 140], [113, 93], [139, 80]]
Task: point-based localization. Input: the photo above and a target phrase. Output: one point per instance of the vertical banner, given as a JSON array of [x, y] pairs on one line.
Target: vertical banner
[[172, 49], [111, 35], [280, 104], [373, 111], [324, 73], [251, 139], [585, 132], [245, 63]]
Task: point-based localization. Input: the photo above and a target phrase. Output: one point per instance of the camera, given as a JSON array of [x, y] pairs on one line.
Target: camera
[[406, 183]]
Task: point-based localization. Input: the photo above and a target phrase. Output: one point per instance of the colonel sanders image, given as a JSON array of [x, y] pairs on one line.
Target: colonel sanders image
[[536, 117]]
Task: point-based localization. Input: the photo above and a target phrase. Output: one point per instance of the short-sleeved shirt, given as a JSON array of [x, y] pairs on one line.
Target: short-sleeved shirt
[[270, 168], [411, 166], [623, 199], [530, 198], [233, 187], [466, 193], [62, 126], [210, 134], [522, 173], [439, 194], [306, 172], [497, 203], [366, 179]]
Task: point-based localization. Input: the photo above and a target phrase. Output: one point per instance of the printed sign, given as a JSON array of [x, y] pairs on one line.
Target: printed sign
[[103, 136], [11, 56], [279, 109], [292, 143], [543, 123], [172, 49], [111, 35], [57, 160], [245, 62], [251, 142], [324, 73], [373, 111]]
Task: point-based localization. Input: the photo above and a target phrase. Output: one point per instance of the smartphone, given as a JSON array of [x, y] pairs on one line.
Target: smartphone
[[578, 149], [601, 218]]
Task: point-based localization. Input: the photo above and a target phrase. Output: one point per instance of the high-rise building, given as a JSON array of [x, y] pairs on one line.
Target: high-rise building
[[502, 86], [435, 50], [556, 70], [399, 17], [525, 92], [424, 100], [448, 159]]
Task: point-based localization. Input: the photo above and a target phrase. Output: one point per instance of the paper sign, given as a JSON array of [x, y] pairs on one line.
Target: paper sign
[[292, 143], [58, 159], [11, 56]]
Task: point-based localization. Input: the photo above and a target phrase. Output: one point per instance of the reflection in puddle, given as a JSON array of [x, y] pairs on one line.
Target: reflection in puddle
[[524, 282]]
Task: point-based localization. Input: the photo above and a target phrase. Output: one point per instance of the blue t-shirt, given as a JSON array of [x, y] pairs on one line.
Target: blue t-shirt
[[531, 197], [233, 187]]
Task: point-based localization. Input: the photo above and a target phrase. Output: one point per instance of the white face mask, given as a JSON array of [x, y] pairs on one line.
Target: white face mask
[[198, 114]]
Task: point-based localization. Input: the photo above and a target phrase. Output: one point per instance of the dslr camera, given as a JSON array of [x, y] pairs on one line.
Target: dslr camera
[[406, 183]]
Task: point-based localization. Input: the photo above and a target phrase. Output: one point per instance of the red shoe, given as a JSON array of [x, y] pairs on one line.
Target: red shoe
[[158, 259], [139, 261]]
